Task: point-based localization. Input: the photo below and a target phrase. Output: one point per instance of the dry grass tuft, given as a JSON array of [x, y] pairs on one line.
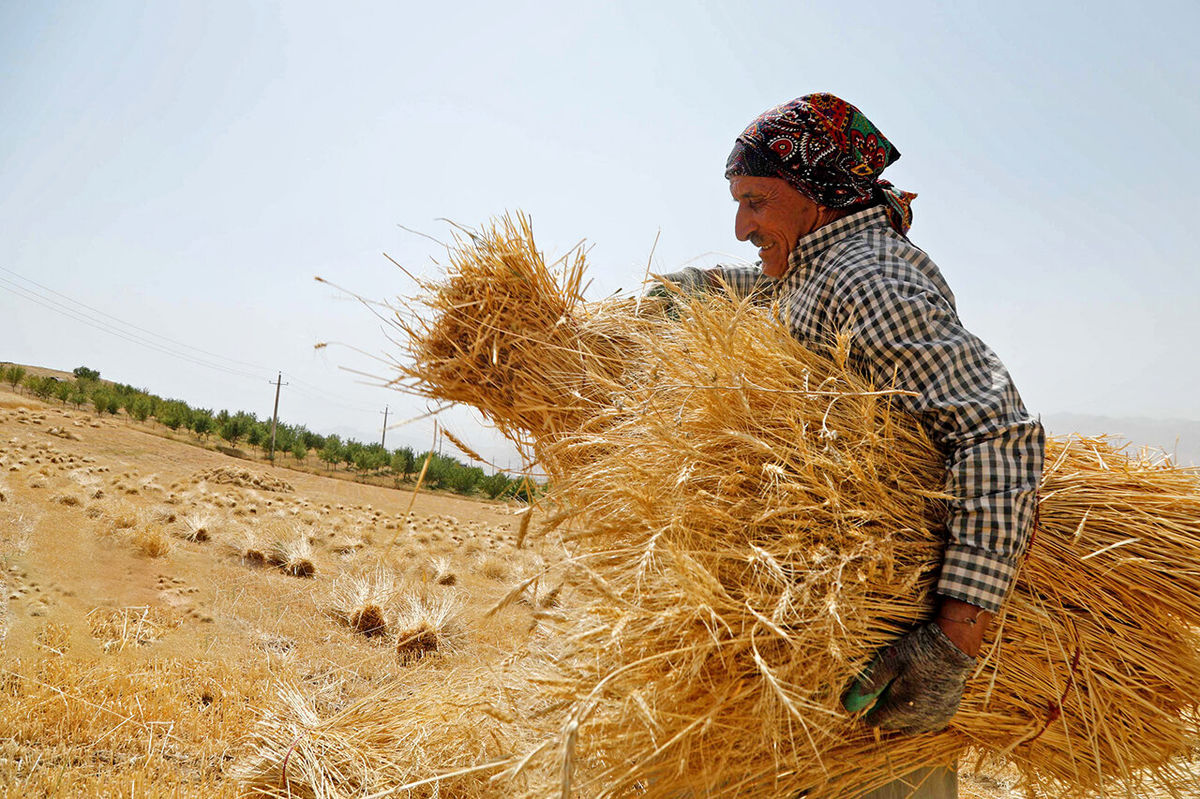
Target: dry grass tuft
[[151, 539], [249, 548], [292, 552], [54, 638], [122, 516], [442, 573], [119, 726], [494, 567], [404, 739], [426, 626], [361, 601], [197, 527]]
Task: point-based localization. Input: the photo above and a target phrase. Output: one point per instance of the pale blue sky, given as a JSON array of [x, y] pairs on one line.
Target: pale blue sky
[[188, 168]]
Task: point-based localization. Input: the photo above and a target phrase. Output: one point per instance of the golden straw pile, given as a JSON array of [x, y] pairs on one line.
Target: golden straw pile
[[754, 521]]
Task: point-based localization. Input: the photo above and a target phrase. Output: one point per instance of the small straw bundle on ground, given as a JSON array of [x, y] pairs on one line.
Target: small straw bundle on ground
[[426, 625], [291, 551], [755, 521], [362, 601]]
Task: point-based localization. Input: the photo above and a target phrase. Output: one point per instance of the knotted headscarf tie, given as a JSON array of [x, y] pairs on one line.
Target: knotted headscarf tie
[[827, 150]]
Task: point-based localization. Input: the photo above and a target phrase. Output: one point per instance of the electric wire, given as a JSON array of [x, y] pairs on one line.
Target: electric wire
[[79, 316], [129, 324]]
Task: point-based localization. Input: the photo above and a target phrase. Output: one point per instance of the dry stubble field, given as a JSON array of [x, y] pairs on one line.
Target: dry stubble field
[[156, 596]]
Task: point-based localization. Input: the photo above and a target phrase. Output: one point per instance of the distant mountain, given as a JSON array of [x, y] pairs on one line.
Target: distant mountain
[[1177, 437]]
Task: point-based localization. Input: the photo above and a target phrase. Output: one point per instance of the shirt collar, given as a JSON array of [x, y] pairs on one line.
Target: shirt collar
[[810, 247]]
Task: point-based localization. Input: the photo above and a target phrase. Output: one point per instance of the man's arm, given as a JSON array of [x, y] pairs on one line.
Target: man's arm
[[742, 281], [906, 334]]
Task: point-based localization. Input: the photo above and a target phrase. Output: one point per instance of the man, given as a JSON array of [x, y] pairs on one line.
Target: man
[[832, 238]]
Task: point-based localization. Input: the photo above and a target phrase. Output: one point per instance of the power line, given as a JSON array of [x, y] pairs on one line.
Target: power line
[[314, 392], [129, 324], [321, 396], [79, 316]]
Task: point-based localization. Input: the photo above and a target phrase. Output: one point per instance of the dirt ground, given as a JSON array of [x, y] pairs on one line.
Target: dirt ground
[[154, 596]]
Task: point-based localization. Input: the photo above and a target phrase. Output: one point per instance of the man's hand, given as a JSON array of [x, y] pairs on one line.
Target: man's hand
[[917, 682], [688, 281]]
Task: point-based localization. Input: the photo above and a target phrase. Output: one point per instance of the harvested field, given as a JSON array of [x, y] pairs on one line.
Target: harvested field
[[140, 649]]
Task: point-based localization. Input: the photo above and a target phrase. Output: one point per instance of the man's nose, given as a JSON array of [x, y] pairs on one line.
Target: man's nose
[[742, 226]]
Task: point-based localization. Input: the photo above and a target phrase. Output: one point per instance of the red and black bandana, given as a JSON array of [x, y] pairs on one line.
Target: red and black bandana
[[827, 150]]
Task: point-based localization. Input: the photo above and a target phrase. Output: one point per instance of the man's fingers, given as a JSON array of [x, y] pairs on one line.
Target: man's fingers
[[859, 696], [872, 682], [895, 709], [906, 707]]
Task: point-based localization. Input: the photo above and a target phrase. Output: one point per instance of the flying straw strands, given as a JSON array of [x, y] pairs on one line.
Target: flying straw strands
[[752, 520]]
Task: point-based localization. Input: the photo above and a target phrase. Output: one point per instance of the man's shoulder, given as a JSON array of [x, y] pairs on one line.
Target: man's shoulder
[[879, 255]]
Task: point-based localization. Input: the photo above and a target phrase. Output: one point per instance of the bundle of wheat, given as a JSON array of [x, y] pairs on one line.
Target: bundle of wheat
[[426, 625], [755, 521], [508, 334], [361, 601], [765, 521]]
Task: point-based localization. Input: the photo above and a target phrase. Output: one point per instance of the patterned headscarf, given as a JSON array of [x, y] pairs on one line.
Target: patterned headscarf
[[827, 150]]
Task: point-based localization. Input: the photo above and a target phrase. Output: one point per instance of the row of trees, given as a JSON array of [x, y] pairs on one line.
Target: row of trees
[[443, 471]]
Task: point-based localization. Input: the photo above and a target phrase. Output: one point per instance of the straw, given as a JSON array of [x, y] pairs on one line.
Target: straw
[[753, 521]]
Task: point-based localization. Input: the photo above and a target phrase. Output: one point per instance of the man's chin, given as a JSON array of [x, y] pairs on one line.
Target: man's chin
[[774, 269]]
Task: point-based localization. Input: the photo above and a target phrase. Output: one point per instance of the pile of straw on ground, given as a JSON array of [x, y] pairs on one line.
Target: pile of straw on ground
[[755, 521]]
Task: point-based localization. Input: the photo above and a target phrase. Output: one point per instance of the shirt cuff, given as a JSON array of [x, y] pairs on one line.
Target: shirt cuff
[[976, 576]]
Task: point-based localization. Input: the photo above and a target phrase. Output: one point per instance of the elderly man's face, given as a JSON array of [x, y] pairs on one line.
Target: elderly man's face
[[773, 216]]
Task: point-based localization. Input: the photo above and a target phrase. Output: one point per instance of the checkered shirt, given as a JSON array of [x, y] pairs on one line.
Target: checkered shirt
[[859, 275]]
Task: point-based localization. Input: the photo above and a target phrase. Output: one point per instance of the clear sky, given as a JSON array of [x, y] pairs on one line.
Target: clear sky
[[189, 167]]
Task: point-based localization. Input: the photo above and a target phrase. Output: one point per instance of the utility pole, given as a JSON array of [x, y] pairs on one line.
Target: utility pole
[[383, 438], [275, 414]]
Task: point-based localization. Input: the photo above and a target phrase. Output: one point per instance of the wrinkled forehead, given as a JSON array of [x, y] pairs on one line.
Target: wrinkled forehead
[[745, 186]]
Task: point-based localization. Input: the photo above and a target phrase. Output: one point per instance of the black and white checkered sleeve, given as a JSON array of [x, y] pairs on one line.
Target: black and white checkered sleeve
[[743, 281], [905, 333]]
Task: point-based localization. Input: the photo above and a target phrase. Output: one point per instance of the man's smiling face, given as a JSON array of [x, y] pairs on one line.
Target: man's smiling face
[[772, 216]]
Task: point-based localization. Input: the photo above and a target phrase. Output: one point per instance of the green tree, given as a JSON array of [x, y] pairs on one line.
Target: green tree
[[78, 395], [14, 375], [331, 450], [63, 390], [350, 452], [285, 436], [299, 451], [42, 387], [256, 435], [140, 408], [464, 478], [234, 428], [202, 422], [439, 471], [173, 413], [86, 374], [525, 490], [494, 485], [402, 462], [99, 401]]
